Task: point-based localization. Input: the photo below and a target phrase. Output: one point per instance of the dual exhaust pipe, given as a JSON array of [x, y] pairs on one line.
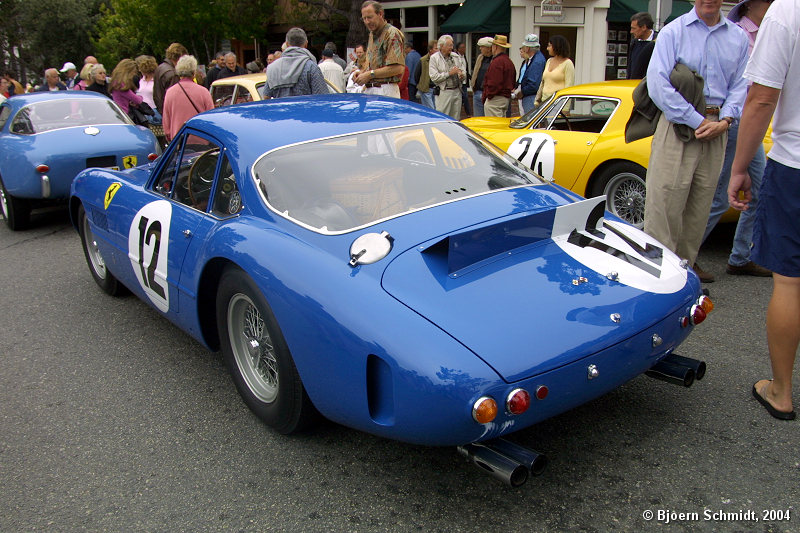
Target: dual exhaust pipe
[[514, 464], [504, 460], [678, 370]]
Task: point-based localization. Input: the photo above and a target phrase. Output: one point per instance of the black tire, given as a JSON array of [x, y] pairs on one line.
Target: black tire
[[257, 356], [16, 211], [624, 186], [97, 265]]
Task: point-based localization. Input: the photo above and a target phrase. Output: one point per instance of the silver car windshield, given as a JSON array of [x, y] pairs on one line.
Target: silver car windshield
[[66, 113], [339, 184]]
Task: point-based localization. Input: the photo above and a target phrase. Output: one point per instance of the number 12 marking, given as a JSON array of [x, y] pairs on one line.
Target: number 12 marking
[[145, 235]]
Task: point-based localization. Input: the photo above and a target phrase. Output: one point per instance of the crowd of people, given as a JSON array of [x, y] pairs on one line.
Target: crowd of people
[[696, 74], [388, 65]]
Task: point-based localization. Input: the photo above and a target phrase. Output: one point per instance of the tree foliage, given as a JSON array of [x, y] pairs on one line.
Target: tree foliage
[[331, 14], [39, 34], [132, 27]]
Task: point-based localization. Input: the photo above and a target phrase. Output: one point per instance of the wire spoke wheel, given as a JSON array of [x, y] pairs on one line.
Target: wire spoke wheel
[[626, 194], [92, 252], [624, 187], [253, 348]]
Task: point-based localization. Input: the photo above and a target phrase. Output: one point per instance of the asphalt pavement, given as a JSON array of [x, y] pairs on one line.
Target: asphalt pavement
[[112, 419]]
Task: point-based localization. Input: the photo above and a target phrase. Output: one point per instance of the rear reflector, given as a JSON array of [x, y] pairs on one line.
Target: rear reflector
[[152, 156], [42, 169]]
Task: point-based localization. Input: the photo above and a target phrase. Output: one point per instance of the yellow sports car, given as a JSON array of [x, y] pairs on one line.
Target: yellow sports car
[[577, 138], [244, 88]]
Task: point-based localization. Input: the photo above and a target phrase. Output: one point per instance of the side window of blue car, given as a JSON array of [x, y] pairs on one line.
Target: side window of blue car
[[227, 199], [165, 182], [5, 112]]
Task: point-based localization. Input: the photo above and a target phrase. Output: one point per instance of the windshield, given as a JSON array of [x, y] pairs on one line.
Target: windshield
[[339, 184], [525, 119], [66, 113]]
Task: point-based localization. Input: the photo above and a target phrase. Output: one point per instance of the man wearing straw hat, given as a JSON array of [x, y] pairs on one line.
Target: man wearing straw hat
[[499, 80]]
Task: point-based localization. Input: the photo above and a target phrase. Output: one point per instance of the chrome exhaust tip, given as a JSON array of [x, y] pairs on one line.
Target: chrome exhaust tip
[[509, 462]]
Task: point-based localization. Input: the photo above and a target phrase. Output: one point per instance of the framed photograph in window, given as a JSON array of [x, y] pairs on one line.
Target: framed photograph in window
[[612, 35], [622, 73], [610, 61], [622, 36], [622, 48], [611, 48]]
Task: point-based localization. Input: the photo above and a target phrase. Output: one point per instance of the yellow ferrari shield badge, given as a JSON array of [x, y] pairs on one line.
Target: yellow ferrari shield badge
[[129, 161], [110, 192]]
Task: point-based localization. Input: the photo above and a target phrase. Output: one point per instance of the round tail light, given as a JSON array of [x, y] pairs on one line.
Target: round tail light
[[484, 410], [697, 314], [43, 169], [152, 157], [518, 401], [706, 303]]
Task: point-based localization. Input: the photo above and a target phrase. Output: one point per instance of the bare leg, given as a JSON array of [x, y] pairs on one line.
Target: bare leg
[[783, 337]]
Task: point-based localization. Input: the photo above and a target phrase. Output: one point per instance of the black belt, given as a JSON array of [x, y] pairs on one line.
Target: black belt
[[452, 88], [379, 83]]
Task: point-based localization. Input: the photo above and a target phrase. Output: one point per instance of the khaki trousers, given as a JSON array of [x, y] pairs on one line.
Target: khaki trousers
[[496, 106], [681, 180], [448, 102]]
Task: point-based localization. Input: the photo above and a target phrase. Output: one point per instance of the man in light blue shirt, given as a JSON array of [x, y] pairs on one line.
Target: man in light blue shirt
[[682, 174]]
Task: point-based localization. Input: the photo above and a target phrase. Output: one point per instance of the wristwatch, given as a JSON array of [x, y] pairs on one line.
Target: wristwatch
[[371, 73], [729, 120]]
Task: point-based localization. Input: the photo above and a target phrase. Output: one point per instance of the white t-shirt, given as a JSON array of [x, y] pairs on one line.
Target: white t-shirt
[[333, 73], [775, 63]]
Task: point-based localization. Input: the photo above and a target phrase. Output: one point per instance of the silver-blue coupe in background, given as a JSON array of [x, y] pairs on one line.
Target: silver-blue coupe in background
[[47, 138]]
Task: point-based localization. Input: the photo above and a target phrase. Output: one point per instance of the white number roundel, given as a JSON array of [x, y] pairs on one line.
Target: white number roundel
[[536, 151], [148, 248]]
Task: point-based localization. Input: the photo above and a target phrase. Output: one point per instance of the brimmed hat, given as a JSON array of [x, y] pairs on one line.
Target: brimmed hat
[[735, 13], [485, 41], [531, 40], [501, 40], [68, 66]]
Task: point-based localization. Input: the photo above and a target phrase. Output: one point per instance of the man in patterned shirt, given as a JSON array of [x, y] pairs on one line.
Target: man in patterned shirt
[[385, 56]]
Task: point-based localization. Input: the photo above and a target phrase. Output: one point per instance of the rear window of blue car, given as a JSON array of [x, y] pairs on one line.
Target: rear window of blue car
[[343, 183], [66, 113]]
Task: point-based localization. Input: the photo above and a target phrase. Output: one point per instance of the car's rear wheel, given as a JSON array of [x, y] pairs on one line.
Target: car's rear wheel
[[624, 187], [16, 211], [257, 355], [97, 265]]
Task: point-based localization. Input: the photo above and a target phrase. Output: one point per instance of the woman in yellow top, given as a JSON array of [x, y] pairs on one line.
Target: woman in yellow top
[[559, 71]]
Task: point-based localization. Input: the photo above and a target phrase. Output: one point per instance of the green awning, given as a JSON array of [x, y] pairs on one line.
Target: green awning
[[480, 16], [623, 10]]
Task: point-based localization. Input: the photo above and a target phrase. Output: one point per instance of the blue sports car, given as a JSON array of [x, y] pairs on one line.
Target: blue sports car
[[47, 138], [377, 263]]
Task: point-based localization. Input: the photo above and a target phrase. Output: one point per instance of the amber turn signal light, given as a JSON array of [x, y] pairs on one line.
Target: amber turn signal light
[[484, 410]]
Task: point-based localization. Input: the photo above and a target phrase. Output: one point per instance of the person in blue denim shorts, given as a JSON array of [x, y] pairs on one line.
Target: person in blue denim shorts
[[774, 69]]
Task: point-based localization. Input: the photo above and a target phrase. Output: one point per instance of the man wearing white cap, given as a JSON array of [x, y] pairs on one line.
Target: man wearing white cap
[[530, 73], [479, 72], [71, 72]]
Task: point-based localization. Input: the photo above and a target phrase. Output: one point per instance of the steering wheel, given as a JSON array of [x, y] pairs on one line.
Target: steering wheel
[[562, 114], [201, 174], [224, 101]]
